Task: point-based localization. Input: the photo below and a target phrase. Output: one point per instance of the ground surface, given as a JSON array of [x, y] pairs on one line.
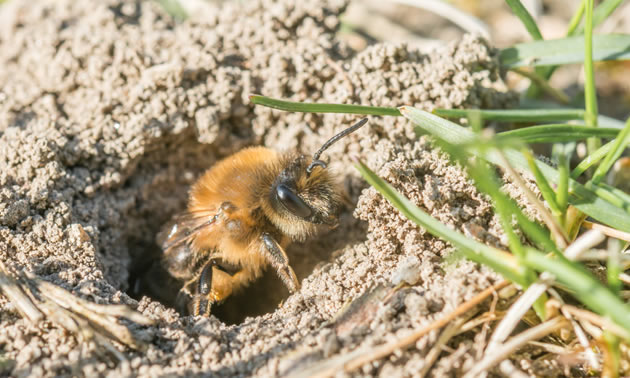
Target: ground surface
[[109, 110]]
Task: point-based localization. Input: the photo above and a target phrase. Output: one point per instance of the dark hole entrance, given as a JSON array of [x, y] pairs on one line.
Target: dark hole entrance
[[263, 295], [148, 278]]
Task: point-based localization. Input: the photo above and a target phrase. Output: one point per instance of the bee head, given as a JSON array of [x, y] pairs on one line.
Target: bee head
[[305, 193]]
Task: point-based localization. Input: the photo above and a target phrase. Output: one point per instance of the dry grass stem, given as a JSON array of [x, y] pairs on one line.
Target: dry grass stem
[[557, 94], [387, 349], [551, 348], [102, 340], [504, 350], [576, 250], [597, 320], [577, 329], [515, 314], [37, 300], [12, 290], [602, 255], [80, 305], [482, 319], [450, 331], [608, 231], [486, 325], [592, 330], [584, 243], [524, 303], [460, 18], [380, 27]]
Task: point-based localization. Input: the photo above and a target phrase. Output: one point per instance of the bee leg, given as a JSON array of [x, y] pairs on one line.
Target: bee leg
[[278, 259], [194, 297], [201, 302]]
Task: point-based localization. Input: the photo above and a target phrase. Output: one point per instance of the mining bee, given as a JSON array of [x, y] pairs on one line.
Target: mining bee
[[242, 213]]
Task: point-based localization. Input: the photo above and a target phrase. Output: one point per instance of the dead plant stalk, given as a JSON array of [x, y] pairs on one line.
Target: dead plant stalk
[[389, 348]]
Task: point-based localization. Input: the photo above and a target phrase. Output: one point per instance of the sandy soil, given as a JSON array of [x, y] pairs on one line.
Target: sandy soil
[[109, 110]]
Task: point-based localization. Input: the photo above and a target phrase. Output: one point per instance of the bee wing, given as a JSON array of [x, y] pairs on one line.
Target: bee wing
[[179, 258], [182, 229]]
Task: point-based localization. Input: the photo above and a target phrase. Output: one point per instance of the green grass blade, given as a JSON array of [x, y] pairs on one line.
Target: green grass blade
[[602, 120], [565, 51], [475, 120], [584, 199], [613, 265], [562, 191], [486, 181], [291, 106], [501, 262], [516, 115], [526, 18], [500, 204], [590, 93], [603, 10], [608, 195], [592, 159], [617, 192], [574, 24], [505, 204], [532, 28], [615, 152], [538, 234], [545, 189], [553, 133], [587, 288], [547, 71]]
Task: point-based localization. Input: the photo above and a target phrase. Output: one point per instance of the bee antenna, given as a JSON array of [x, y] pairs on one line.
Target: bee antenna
[[349, 130]]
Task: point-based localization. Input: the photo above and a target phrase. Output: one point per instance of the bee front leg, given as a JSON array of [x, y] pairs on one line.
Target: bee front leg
[[276, 256], [201, 301], [194, 298]]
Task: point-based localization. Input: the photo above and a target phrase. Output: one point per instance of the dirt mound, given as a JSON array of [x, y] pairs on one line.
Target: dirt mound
[[109, 110]]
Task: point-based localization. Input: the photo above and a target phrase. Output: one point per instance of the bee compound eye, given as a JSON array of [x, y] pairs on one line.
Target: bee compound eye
[[292, 202]]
